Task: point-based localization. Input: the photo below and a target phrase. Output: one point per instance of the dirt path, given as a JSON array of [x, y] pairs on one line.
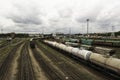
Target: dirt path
[[14, 65], [51, 63], [39, 74]]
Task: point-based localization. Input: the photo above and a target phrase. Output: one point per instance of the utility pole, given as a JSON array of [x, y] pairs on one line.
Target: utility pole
[[42, 31], [69, 32], [87, 26], [112, 34], [113, 28], [1, 31]]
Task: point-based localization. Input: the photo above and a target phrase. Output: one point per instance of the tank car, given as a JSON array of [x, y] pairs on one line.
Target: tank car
[[69, 49], [84, 54], [109, 63], [75, 51], [62, 46]]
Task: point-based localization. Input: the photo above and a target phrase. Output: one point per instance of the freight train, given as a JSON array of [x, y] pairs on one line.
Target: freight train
[[109, 64], [103, 42]]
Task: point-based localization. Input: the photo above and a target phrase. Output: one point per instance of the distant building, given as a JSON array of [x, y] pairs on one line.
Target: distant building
[[57, 35], [34, 35]]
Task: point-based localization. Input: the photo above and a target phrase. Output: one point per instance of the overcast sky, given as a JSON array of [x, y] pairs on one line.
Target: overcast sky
[[50, 16]]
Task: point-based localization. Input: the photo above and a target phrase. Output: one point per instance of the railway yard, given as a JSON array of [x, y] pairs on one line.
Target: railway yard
[[29, 59], [59, 39]]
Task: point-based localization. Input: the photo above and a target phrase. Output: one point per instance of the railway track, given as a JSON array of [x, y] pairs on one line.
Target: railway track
[[5, 43], [70, 71], [25, 66], [50, 72], [5, 51], [4, 68], [92, 67]]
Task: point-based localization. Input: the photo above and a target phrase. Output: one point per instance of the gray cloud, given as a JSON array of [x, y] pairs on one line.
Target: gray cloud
[[25, 14], [31, 19], [59, 15], [66, 13]]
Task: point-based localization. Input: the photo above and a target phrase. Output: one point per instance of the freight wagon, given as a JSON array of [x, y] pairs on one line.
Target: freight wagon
[[102, 42]]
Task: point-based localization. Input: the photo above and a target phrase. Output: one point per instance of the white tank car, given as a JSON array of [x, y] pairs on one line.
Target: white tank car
[[113, 64], [53, 44], [57, 45], [31, 39], [75, 51], [49, 42], [46, 41], [109, 63], [69, 49], [62, 46], [98, 59], [84, 54]]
